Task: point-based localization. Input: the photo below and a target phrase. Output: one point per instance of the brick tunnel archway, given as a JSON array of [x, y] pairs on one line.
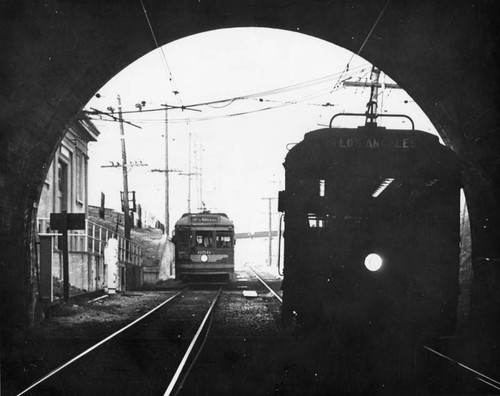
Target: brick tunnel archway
[[61, 52]]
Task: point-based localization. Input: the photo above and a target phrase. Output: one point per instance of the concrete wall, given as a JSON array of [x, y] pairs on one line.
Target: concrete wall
[[150, 275], [87, 271], [166, 268], [167, 260], [133, 277]]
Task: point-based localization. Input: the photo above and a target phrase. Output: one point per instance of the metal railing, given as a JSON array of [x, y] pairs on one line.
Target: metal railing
[[93, 240]]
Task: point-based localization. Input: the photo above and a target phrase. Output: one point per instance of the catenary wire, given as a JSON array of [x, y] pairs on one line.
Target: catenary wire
[[362, 45], [306, 84], [162, 53], [208, 118]]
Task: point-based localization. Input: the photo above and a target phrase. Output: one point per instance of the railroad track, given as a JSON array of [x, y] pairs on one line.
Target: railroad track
[[245, 339], [261, 280], [148, 356], [489, 383]]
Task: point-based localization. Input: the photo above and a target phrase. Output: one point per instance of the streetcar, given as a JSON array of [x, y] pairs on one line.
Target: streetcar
[[372, 230], [204, 246]]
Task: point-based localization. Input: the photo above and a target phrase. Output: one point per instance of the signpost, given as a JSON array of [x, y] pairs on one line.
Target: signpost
[[63, 222]]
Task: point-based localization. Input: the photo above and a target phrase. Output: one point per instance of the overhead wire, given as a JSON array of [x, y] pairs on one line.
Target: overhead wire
[[163, 56], [275, 91], [346, 69], [162, 53], [258, 95], [175, 90], [208, 118]]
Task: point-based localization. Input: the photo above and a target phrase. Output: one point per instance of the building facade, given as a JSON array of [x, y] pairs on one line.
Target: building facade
[[66, 184]]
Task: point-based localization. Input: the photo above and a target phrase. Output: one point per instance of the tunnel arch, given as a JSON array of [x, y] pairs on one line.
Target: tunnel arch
[[61, 52]]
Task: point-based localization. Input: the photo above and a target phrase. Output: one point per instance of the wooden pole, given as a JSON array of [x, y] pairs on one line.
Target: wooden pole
[[64, 232], [126, 211], [167, 216]]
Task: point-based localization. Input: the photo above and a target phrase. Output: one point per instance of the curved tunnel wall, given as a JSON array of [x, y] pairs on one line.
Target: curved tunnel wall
[[56, 54]]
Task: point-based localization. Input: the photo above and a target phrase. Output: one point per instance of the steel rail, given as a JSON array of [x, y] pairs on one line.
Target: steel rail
[[193, 362], [177, 374], [265, 284], [99, 344], [481, 377]]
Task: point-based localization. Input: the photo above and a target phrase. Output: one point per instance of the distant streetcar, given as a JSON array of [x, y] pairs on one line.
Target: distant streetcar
[[372, 231], [204, 245]]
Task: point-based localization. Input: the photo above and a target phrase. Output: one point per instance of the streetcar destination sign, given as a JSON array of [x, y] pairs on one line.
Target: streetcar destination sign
[[204, 219], [374, 142]]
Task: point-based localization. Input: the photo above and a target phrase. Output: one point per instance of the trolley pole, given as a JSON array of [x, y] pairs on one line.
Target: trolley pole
[[126, 209]]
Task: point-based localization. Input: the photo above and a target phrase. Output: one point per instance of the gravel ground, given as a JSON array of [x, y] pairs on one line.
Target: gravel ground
[[248, 352], [73, 327], [70, 329]]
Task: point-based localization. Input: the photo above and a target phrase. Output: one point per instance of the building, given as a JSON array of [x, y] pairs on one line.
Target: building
[[66, 189], [65, 186]]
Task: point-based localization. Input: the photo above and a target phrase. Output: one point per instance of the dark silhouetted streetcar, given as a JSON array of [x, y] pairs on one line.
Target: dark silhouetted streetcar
[[372, 231], [204, 245]]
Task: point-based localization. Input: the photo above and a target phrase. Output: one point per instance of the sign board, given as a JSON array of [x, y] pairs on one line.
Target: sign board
[[68, 221], [204, 219], [64, 222], [372, 142]]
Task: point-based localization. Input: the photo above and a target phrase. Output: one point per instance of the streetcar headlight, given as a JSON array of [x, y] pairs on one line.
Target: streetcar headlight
[[373, 262], [204, 258]]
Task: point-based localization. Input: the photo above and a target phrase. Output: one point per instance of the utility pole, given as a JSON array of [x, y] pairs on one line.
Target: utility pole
[[167, 215], [201, 178], [198, 167], [189, 174], [167, 171], [126, 213], [270, 231]]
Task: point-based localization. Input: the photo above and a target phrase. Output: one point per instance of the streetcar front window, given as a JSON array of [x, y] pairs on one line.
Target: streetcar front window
[[223, 240], [204, 239]]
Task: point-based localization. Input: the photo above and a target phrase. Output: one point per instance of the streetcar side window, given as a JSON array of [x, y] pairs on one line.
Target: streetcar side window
[[223, 240], [204, 239], [315, 221]]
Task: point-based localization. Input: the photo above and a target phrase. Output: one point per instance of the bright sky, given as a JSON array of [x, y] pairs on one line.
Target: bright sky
[[239, 156]]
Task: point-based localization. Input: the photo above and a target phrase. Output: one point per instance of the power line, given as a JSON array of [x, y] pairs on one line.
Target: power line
[[208, 118], [236, 114], [162, 53], [256, 95], [362, 45]]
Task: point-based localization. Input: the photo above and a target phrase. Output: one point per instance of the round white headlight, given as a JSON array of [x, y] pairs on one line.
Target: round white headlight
[[204, 258], [373, 262]]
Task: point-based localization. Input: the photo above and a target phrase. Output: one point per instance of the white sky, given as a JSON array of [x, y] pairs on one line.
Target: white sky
[[242, 156]]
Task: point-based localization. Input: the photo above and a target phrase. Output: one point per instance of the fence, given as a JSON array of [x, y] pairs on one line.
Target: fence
[[94, 240]]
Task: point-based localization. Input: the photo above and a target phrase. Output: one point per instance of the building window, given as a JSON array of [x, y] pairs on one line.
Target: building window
[[62, 186], [80, 178]]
